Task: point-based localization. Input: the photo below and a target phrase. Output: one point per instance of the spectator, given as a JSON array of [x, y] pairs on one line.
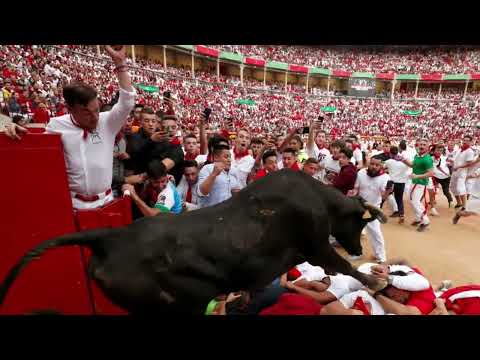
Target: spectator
[[187, 188], [346, 178], [289, 159], [385, 155], [242, 160], [461, 162], [330, 163], [19, 120], [165, 146], [269, 160], [217, 181], [399, 173], [441, 172], [191, 147], [13, 104], [371, 185], [168, 199], [417, 300], [40, 115], [88, 137], [311, 166], [138, 142], [357, 152], [296, 144], [422, 169]]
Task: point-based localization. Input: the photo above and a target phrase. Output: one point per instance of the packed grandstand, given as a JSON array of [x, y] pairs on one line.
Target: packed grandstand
[[449, 111]]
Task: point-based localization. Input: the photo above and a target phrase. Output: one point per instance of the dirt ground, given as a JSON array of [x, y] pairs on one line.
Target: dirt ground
[[445, 251]]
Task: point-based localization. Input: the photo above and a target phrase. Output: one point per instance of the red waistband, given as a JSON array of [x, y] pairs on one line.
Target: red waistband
[[92, 198]]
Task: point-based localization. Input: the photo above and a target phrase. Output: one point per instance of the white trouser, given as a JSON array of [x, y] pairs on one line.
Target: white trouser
[[375, 236], [418, 200], [473, 204], [392, 203], [458, 183]]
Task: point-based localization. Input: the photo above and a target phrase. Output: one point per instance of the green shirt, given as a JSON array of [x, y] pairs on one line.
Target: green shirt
[[421, 165]]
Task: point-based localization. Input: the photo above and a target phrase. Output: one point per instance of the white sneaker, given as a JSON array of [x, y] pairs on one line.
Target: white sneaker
[[434, 212]]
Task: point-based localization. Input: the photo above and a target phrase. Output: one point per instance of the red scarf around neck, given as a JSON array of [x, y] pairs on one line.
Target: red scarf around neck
[[85, 129], [175, 141], [465, 147], [355, 147], [239, 155]]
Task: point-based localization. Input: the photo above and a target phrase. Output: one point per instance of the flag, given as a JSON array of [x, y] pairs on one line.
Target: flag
[[328, 109], [148, 88], [412, 112], [248, 102]]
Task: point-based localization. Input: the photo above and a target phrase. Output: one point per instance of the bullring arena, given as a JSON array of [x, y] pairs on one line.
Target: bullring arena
[[197, 126]]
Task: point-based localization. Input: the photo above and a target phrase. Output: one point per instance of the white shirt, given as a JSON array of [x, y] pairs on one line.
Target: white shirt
[[221, 189], [357, 155], [371, 188], [440, 168], [330, 166], [243, 167], [182, 189], [310, 272], [341, 285], [462, 158], [397, 171], [320, 155], [89, 161], [349, 299]]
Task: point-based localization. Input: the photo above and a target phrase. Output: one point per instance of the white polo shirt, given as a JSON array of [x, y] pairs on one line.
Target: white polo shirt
[[357, 155], [89, 161], [371, 188], [320, 155]]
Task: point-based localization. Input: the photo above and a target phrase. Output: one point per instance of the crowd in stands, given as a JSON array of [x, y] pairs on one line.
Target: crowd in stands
[[32, 79], [378, 60]]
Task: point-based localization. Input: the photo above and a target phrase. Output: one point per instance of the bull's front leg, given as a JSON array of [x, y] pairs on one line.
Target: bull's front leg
[[332, 262]]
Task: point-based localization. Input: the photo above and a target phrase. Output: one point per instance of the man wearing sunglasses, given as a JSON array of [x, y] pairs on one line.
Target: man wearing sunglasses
[[88, 136]]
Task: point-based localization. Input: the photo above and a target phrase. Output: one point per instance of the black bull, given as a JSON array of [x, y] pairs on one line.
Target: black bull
[[178, 263]]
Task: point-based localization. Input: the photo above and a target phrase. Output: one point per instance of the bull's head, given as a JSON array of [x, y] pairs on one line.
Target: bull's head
[[347, 228]]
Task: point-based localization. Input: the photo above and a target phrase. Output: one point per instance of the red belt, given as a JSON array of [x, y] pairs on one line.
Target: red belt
[[92, 198]]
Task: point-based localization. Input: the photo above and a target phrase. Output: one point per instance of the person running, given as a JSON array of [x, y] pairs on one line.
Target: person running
[[422, 166]]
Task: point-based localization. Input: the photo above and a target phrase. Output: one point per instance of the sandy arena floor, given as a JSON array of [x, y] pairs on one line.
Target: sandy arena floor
[[445, 251]]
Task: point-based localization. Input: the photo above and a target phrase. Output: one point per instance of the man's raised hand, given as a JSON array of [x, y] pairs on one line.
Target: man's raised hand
[[117, 53]]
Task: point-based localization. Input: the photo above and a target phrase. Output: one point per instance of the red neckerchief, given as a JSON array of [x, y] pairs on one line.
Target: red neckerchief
[[85, 130], [360, 305], [188, 198], [118, 137], [450, 148], [175, 141], [190, 156], [295, 166], [436, 156], [355, 147], [239, 155], [465, 147]]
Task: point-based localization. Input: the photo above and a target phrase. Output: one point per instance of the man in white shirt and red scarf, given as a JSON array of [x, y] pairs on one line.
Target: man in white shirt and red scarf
[[242, 159], [88, 136], [458, 183]]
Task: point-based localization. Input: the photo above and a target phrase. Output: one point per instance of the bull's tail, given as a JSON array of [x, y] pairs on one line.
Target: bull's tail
[[86, 238]]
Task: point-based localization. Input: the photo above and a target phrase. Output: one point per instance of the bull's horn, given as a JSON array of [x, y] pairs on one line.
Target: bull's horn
[[376, 213]]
